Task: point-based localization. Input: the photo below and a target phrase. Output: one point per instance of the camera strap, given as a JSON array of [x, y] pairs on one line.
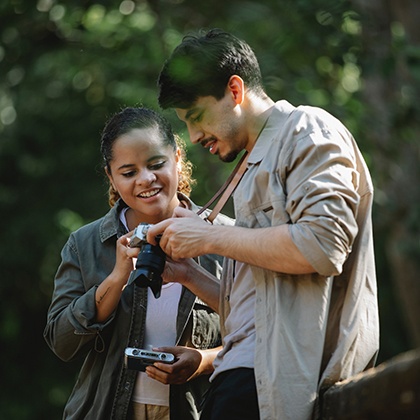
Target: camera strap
[[226, 190]]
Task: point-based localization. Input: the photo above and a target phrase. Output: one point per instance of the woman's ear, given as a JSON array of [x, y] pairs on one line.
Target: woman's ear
[[236, 87], [111, 181]]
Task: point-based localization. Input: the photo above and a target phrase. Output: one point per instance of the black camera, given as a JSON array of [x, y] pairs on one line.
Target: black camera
[[139, 359], [150, 261]]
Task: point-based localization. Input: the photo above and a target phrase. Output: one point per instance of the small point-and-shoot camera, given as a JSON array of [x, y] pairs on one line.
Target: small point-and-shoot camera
[[139, 359]]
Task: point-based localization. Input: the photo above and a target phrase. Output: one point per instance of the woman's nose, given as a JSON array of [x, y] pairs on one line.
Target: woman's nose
[[146, 177]]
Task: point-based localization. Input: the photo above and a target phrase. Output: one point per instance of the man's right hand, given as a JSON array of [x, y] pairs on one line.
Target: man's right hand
[[182, 235]]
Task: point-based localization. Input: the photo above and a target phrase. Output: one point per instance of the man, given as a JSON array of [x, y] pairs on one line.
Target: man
[[298, 300]]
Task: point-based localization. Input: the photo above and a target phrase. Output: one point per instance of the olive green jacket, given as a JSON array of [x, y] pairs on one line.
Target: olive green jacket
[[104, 386]]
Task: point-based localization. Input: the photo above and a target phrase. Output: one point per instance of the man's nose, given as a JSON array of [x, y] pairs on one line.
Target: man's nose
[[196, 135]]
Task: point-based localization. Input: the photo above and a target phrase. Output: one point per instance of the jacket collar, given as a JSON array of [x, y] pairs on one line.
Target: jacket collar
[[111, 225]]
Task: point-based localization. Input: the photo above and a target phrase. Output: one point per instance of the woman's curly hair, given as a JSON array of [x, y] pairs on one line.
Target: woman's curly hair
[[139, 117]]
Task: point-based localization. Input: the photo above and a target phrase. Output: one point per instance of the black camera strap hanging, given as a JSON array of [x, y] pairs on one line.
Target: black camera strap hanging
[[226, 189]]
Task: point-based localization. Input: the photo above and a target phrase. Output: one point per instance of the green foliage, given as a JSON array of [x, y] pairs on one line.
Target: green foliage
[[65, 68]]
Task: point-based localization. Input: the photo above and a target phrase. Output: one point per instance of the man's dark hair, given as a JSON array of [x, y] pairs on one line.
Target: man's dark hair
[[202, 66]]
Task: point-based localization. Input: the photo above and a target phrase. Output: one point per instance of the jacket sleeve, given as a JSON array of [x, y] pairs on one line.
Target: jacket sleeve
[[71, 330], [322, 199]]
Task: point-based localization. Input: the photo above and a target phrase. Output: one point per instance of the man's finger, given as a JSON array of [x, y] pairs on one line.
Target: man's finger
[[156, 230]]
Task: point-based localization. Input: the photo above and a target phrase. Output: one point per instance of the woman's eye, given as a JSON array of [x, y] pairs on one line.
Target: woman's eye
[[157, 165], [128, 174]]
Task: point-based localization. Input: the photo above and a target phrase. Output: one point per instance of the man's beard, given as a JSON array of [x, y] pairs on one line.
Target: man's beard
[[230, 157]]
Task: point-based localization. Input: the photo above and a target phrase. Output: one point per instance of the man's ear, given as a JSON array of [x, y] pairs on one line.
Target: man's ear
[[236, 87]]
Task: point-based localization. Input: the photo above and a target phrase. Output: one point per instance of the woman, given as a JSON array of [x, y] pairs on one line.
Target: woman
[[94, 313]]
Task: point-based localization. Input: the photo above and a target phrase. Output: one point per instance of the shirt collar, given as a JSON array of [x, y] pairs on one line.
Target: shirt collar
[[280, 112]]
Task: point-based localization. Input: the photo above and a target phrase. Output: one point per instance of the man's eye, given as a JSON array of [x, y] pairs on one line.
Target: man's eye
[[196, 119]]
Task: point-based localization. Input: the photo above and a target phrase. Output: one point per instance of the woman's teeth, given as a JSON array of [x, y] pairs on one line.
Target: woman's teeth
[[148, 194]]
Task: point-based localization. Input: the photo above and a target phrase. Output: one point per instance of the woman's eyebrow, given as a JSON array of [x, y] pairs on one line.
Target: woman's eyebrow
[[126, 165], [151, 159]]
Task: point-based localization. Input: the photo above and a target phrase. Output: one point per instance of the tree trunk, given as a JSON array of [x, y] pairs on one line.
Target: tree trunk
[[391, 34]]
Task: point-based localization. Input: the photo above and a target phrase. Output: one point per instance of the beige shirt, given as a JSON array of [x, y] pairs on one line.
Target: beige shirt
[[311, 330]]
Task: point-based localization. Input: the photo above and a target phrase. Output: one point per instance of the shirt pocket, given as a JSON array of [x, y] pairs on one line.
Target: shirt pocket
[[272, 213]]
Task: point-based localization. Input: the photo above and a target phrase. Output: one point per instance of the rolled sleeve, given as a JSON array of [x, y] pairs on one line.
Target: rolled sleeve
[[322, 200]]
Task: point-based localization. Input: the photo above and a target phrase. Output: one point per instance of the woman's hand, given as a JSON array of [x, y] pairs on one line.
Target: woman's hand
[[124, 263], [189, 364], [108, 293]]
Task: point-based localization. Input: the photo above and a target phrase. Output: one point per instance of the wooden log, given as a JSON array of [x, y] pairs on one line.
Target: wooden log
[[389, 391]]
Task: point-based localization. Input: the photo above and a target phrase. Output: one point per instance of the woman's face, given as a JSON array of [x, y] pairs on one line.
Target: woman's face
[[144, 171]]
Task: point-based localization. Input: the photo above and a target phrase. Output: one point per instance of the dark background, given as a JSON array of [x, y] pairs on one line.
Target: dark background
[[65, 67]]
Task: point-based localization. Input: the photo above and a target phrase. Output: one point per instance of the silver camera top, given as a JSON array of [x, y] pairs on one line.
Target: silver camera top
[[139, 235], [139, 359]]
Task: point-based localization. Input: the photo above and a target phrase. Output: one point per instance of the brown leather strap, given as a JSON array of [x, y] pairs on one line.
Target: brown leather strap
[[226, 189]]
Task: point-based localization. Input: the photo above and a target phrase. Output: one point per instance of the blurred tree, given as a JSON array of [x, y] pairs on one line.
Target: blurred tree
[[391, 63], [66, 67]]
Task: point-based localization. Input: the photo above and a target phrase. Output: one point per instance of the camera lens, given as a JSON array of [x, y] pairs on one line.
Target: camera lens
[[163, 356], [135, 352], [149, 268]]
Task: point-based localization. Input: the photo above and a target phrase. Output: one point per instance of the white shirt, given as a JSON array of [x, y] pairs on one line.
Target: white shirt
[[160, 330]]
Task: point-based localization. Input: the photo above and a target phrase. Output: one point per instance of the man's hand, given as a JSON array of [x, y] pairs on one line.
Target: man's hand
[[189, 364], [195, 278], [179, 271], [183, 235]]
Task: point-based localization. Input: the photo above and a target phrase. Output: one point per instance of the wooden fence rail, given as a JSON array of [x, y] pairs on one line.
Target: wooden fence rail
[[389, 391]]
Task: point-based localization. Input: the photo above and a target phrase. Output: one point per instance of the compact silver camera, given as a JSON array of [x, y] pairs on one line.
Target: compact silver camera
[[139, 359], [139, 235], [150, 261]]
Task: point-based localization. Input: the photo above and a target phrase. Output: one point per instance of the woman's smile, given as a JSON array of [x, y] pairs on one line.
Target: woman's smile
[[150, 193]]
